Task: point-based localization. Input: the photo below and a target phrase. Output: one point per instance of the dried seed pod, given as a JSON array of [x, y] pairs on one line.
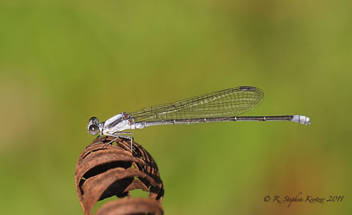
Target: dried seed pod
[[104, 170]]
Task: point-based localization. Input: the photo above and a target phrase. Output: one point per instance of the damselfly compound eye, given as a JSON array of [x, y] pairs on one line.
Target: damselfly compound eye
[[93, 129], [94, 121]]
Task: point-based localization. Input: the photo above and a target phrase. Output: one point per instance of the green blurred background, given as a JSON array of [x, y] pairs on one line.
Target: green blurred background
[[62, 62]]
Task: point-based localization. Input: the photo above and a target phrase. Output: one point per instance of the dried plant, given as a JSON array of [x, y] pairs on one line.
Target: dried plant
[[104, 170]]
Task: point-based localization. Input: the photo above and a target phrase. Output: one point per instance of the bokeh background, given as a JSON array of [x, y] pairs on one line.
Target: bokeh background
[[62, 62]]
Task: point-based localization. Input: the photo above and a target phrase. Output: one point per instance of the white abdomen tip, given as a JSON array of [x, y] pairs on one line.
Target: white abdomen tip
[[301, 119]]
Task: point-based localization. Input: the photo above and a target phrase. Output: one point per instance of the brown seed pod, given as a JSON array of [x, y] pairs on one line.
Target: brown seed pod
[[104, 170]]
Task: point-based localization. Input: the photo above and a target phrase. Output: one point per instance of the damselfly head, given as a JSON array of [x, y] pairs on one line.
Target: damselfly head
[[93, 126]]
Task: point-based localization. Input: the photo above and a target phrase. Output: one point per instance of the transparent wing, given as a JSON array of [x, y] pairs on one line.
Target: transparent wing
[[224, 103]]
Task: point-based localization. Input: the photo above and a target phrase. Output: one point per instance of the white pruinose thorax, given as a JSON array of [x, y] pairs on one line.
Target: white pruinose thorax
[[118, 123]]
